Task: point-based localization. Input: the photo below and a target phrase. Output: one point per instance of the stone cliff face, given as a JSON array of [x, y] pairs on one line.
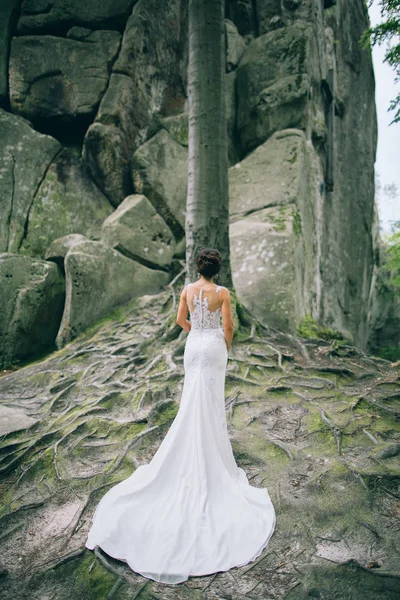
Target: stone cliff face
[[94, 100], [306, 126]]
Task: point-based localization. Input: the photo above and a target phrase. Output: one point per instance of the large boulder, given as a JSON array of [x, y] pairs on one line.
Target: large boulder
[[45, 81], [136, 230], [67, 201], [147, 79], [8, 15], [58, 248], [42, 16], [273, 82], [99, 279], [269, 15], [263, 266], [159, 172], [275, 14], [271, 175], [25, 157], [177, 126], [268, 194], [32, 296], [14, 419]]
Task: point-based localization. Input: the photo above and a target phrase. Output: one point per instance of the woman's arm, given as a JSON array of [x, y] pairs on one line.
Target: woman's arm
[[183, 311], [227, 320]]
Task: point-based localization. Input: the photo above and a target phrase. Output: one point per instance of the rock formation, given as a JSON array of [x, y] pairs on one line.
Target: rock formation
[[60, 78], [300, 73], [98, 279], [104, 89], [32, 302], [146, 79], [67, 201], [25, 158], [159, 171], [57, 16], [93, 178], [136, 230]]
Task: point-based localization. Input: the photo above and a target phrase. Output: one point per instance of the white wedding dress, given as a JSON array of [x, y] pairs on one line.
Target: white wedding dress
[[190, 510]]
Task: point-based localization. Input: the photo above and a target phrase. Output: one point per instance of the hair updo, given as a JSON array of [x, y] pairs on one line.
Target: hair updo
[[208, 262]]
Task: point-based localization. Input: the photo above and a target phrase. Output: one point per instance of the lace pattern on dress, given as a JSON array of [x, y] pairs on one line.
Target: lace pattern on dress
[[201, 317]]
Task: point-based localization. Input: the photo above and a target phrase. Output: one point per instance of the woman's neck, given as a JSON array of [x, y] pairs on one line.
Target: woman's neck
[[204, 280]]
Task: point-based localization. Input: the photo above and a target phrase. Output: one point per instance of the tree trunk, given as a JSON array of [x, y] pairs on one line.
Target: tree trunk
[[207, 205]]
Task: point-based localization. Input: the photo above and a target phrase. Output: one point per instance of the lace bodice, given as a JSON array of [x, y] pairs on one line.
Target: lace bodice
[[201, 315]]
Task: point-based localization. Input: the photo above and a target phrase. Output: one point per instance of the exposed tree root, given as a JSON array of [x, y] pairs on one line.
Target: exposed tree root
[[171, 286], [109, 567], [64, 559], [281, 445], [126, 366], [232, 377], [335, 430]]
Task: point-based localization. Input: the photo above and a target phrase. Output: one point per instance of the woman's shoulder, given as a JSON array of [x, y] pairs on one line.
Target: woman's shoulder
[[184, 289], [223, 291]]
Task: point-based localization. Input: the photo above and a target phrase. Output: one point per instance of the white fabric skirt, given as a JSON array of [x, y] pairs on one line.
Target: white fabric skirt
[[191, 510]]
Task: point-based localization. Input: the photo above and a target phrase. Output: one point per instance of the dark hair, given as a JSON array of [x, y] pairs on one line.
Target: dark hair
[[208, 262]]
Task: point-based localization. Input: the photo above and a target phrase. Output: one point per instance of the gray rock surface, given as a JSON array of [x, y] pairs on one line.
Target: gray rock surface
[[159, 172], [58, 248], [235, 45], [25, 157], [301, 67], [273, 80], [8, 15], [136, 230], [267, 189], [144, 82], [32, 296], [43, 15], [270, 176], [52, 77], [14, 419], [263, 266], [292, 4], [177, 126], [288, 77], [98, 280], [268, 15], [67, 201], [347, 238]]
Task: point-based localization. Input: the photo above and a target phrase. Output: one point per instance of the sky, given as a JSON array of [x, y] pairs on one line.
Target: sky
[[388, 161]]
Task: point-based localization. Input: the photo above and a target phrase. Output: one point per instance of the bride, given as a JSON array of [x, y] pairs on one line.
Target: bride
[[190, 510]]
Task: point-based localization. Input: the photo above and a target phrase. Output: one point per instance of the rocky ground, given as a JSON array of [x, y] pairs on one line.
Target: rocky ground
[[316, 422]]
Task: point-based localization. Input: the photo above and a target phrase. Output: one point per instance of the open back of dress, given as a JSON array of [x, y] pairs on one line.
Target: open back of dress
[[204, 306]]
